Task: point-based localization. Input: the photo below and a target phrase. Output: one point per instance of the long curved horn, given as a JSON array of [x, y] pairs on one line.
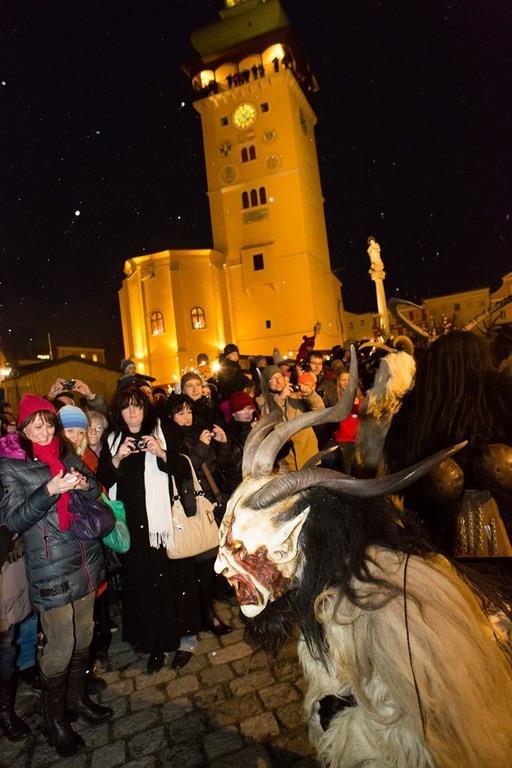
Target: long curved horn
[[256, 437], [394, 308], [491, 310], [265, 458], [264, 391], [376, 345], [284, 486], [406, 342], [313, 461]]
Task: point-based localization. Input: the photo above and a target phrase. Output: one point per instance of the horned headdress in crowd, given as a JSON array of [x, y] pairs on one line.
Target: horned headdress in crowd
[[396, 306], [259, 552]]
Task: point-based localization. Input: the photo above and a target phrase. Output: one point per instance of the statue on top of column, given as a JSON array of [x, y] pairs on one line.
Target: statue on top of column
[[376, 270]]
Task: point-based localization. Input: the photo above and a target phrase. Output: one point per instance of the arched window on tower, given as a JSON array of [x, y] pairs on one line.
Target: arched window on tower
[[197, 318], [157, 323], [248, 153], [263, 195], [245, 199], [254, 198]]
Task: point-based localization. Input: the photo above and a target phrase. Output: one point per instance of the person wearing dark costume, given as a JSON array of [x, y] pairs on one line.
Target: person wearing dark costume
[[159, 605], [457, 395], [210, 449]]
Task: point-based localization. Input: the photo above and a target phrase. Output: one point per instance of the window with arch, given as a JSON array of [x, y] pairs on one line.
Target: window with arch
[[157, 323], [197, 318], [248, 153], [254, 197]]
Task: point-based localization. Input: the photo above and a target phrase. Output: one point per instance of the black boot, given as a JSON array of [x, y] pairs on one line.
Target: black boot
[[58, 731], [212, 623], [13, 726], [78, 700], [155, 662]]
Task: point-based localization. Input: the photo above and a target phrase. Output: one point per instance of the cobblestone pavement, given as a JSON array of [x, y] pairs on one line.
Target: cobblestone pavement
[[226, 707]]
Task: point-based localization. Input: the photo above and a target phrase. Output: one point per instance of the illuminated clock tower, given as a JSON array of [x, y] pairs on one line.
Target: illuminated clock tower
[[252, 82]]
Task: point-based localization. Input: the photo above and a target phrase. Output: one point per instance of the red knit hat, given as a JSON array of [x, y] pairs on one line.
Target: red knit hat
[[240, 400], [307, 378], [32, 404]]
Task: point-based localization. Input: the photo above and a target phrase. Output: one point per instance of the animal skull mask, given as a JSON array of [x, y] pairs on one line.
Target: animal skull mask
[[259, 551]]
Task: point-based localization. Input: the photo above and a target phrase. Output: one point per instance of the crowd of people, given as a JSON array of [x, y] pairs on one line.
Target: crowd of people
[[144, 443]]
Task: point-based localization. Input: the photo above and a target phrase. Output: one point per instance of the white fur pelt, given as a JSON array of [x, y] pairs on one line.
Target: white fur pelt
[[394, 378], [464, 678]]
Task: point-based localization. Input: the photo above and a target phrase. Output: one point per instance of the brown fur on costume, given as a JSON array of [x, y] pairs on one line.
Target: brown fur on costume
[[460, 715]]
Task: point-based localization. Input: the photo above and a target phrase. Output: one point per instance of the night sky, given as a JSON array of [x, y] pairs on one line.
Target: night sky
[[414, 139]]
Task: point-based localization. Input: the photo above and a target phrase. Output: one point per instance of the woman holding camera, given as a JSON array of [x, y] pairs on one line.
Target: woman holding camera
[[136, 458], [38, 477], [209, 451]]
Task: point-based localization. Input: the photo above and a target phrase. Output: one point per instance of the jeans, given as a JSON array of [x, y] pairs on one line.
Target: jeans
[[66, 628]]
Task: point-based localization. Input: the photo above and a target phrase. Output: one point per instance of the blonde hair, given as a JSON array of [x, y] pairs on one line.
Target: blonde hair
[[79, 448]]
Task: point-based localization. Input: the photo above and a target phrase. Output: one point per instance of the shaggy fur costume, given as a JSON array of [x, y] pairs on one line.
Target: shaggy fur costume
[[464, 681], [420, 682], [393, 380]]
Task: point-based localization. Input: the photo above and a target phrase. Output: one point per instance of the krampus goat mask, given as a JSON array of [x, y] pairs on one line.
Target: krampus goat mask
[[260, 553]]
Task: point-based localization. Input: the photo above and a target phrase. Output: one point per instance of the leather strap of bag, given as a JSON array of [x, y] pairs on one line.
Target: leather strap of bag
[[195, 480], [209, 477]]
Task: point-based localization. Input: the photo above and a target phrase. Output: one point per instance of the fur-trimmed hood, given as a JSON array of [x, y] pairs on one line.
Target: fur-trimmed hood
[[10, 447]]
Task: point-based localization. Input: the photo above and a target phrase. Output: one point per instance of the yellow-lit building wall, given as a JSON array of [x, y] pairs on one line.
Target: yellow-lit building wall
[[459, 308], [296, 286], [162, 293]]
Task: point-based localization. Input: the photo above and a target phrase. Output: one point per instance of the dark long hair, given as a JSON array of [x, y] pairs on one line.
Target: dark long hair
[[132, 396], [335, 540], [457, 395], [176, 402], [51, 418]]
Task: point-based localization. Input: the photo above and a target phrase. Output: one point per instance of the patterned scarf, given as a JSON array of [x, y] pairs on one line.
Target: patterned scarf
[[50, 455]]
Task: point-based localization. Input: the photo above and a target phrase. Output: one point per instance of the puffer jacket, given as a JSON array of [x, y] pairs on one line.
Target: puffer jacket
[[60, 568]]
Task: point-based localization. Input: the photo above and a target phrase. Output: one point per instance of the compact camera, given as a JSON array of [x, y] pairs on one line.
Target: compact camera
[[140, 444], [69, 384]]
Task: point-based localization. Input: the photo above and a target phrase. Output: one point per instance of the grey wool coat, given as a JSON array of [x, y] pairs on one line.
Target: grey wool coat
[[60, 568]]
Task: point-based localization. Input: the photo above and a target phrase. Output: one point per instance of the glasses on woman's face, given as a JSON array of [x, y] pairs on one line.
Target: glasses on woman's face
[[97, 430]]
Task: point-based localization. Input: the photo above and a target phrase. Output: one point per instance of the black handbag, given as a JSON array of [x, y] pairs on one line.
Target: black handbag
[[92, 519]]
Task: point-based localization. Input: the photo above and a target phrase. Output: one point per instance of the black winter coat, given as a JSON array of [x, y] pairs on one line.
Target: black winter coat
[[60, 568]]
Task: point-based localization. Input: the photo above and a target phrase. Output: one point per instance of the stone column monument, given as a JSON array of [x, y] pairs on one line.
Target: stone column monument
[[378, 276]]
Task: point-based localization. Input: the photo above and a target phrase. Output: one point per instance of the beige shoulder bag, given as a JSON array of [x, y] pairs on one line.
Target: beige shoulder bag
[[192, 535]]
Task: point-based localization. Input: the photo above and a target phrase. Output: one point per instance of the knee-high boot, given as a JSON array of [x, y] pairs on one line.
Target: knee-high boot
[[13, 726], [77, 700], [58, 731]]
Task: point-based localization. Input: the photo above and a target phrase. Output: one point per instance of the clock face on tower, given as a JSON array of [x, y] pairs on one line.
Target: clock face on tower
[[244, 115]]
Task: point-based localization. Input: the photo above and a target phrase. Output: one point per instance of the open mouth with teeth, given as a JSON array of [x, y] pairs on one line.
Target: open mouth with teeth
[[246, 592]]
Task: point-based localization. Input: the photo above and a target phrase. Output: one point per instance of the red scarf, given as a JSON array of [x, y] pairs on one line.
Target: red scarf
[[50, 455]]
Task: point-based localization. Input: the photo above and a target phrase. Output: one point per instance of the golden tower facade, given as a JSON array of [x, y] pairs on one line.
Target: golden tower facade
[[268, 278], [263, 179]]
